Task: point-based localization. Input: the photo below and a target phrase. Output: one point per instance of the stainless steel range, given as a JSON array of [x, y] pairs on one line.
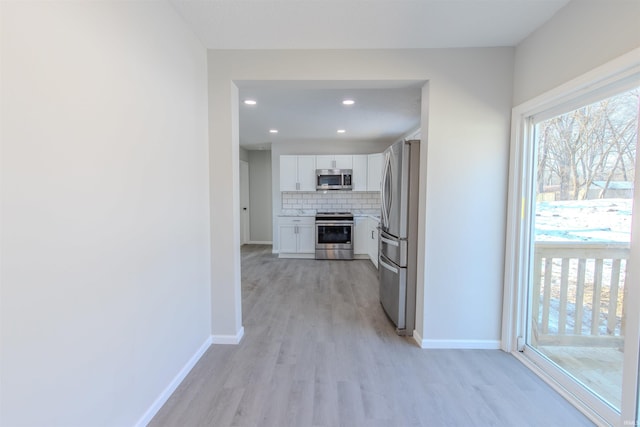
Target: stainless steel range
[[334, 235]]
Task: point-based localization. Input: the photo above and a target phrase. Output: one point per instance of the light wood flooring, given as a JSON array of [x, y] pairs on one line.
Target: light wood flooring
[[319, 351], [598, 368]]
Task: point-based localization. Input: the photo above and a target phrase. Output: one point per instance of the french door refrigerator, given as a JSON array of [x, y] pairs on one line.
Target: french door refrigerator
[[398, 234]]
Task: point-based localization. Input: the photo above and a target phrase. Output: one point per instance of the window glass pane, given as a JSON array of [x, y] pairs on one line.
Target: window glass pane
[[585, 169]]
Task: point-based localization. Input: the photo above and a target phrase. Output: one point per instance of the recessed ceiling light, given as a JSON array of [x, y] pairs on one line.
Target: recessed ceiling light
[[250, 102], [341, 131], [273, 130], [348, 102]]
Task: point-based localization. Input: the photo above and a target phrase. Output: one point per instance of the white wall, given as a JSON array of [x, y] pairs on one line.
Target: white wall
[[105, 217], [468, 107], [244, 154], [580, 37], [260, 195]]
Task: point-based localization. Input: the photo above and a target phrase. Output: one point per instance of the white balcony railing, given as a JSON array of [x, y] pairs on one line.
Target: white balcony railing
[[578, 293]]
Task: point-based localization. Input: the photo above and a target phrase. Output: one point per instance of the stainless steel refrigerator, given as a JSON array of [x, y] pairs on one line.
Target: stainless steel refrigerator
[[398, 234]]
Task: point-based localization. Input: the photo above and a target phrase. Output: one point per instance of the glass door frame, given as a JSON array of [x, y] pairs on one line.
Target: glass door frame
[[611, 78]]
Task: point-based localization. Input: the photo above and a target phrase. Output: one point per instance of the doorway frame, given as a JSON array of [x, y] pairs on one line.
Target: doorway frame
[[612, 74], [245, 211]]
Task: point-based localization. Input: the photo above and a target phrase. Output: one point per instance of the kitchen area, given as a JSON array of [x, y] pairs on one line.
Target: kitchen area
[[345, 207], [337, 195], [322, 217]]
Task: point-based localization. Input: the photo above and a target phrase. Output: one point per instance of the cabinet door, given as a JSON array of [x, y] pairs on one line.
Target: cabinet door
[[288, 238], [374, 171], [288, 173], [361, 236], [373, 241], [324, 162], [307, 173], [343, 161], [359, 177], [306, 239]]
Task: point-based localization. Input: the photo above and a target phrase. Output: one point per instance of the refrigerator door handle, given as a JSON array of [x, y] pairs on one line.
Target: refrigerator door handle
[[390, 242], [388, 267], [383, 193], [382, 203]]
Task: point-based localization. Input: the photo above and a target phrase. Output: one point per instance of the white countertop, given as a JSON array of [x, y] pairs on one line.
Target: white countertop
[[297, 212], [369, 213]]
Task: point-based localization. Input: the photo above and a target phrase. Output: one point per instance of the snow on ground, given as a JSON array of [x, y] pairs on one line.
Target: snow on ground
[[600, 220]]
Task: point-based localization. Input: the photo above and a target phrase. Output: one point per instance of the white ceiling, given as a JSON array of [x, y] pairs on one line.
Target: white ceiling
[[364, 24], [311, 111]]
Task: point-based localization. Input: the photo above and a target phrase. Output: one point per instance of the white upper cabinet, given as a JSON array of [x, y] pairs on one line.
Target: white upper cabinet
[[307, 173], [297, 173], [324, 162], [343, 161], [374, 171], [288, 173], [359, 178]]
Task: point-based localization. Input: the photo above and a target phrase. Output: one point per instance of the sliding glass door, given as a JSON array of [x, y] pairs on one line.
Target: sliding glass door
[[581, 234], [572, 252]]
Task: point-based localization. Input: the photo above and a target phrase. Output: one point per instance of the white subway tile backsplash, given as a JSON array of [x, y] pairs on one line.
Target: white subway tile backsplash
[[339, 200]]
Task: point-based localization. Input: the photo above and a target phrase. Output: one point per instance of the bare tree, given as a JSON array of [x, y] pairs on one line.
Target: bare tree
[[596, 142]]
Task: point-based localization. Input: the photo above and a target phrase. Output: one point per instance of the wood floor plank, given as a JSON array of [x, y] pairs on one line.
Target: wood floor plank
[[319, 351]]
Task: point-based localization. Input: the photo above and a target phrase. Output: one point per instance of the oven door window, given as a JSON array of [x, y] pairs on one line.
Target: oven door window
[[329, 180], [334, 234]]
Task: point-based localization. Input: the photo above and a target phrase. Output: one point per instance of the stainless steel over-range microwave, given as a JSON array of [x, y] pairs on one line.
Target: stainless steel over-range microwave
[[333, 179]]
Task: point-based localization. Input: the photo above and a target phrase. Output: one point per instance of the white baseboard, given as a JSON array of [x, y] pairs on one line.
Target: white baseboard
[[173, 385], [296, 256], [259, 242], [228, 339], [456, 344], [417, 338]]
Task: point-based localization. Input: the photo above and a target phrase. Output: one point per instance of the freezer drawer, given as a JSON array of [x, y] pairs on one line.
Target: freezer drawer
[[393, 248], [393, 291]]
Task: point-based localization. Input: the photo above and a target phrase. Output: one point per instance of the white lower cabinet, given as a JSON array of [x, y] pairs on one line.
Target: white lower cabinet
[[372, 232], [361, 236], [365, 241], [297, 237]]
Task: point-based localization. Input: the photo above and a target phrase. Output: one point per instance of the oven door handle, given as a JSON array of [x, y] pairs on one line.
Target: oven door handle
[[390, 242], [388, 267]]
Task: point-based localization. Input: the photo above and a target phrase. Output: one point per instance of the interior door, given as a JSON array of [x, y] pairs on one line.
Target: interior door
[[245, 219]]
